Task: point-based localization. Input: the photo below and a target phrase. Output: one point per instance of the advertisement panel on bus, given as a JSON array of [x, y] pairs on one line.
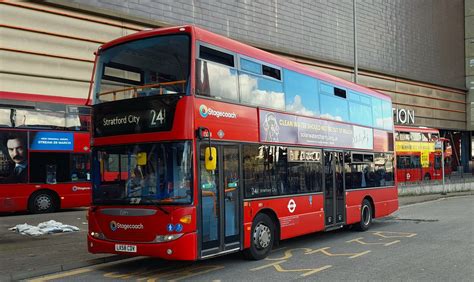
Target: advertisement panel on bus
[[42, 171]]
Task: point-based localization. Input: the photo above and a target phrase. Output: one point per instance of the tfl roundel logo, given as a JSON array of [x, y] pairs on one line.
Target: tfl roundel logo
[[113, 225], [203, 111]]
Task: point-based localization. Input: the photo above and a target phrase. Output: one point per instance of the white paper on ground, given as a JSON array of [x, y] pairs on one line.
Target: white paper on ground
[[47, 227]]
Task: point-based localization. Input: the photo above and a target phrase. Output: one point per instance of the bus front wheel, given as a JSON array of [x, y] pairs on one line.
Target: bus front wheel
[[262, 237], [42, 202], [365, 216]]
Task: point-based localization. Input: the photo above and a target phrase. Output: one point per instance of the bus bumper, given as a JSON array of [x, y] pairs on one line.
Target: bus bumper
[[183, 248]]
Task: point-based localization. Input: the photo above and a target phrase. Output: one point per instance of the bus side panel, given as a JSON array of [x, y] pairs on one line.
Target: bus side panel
[[73, 194], [385, 201], [297, 215], [81, 142], [14, 197]]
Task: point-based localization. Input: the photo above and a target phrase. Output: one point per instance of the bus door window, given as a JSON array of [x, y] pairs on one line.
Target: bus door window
[[210, 204], [437, 161], [231, 190]]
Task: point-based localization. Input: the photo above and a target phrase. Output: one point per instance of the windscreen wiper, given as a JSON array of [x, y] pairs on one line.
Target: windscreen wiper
[[163, 209]]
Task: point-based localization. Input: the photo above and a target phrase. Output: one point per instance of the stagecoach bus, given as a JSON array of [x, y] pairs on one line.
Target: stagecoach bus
[[418, 158], [44, 153], [204, 146]]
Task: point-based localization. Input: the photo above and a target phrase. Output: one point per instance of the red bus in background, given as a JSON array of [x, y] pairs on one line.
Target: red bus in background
[[418, 158], [204, 146], [44, 153]]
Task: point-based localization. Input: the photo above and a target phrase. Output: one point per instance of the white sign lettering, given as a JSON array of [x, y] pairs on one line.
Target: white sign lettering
[[403, 116]]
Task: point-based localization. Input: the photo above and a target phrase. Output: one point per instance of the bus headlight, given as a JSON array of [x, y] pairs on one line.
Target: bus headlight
[[167, 238], [97, 235]]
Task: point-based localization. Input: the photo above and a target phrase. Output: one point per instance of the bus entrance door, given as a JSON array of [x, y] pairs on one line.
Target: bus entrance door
[[220, 202], [334, 196]]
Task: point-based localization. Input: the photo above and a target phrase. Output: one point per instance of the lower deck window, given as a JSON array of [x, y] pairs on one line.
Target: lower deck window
[[52, 168]]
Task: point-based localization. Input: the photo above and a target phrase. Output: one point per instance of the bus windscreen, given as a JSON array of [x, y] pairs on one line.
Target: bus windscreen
[[143, 174], [147, 67]]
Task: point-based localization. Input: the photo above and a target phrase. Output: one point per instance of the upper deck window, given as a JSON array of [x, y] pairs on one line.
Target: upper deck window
[[260, 85], [151, 66], [41, 115], [217, 56], [301, 94], [339, 92], [271, 72]]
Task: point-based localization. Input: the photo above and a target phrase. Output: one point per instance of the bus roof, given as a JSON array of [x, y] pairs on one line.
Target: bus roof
[[415, 129], [42, 98], [247, 50]]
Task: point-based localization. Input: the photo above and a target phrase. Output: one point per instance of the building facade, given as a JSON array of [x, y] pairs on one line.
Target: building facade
[[418, 52]]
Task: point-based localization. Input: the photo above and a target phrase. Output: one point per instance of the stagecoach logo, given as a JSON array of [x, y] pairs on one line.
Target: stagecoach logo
[[117, 225], [291, 206], [78, 188], [113, 225], [204, 111]]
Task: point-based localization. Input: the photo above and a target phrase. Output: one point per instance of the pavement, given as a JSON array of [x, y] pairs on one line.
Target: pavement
[[24, 256]]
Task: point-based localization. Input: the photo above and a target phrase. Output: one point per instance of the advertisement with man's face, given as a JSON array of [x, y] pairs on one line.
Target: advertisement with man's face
[[13, 157]]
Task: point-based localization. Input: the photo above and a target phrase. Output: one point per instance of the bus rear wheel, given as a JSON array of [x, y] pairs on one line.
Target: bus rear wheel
[[262, 237], [42, 202], [365, 216]]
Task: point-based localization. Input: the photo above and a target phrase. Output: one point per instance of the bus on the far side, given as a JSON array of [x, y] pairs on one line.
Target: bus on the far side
[[204, 146], [44, 153], [418, 158]]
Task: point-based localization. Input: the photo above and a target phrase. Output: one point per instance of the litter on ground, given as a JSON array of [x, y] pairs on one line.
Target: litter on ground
[[47, 227]]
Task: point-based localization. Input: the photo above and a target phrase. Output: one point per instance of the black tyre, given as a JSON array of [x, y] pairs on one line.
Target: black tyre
[[42, 202], [427, 177], [365, 216], [262, 237]]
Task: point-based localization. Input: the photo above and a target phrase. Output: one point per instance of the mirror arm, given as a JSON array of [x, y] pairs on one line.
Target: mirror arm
[[209, 139]]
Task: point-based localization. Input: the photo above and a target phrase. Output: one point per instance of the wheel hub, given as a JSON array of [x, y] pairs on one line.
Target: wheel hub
[[365, 215], [262, 236], [43, 202]]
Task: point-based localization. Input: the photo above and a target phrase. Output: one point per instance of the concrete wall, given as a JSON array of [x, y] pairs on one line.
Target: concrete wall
[[469, 43], [50, 51], [436, 188], [417, 39]]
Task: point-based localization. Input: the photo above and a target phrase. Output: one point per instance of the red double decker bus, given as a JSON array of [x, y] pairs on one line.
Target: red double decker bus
[[44, 153], [204, 146], [418, 158]]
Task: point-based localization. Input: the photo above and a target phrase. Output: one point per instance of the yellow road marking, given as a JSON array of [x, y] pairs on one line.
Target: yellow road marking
[[385, 234], [125, 275], [350, 255], [359, 240], [150, 273], [185, 273], [279, 268], [391, 243], [289, 253], [61, 275]]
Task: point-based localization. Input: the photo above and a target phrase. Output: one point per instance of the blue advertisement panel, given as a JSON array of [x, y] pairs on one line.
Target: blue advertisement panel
[[52, 141], [284, 128]]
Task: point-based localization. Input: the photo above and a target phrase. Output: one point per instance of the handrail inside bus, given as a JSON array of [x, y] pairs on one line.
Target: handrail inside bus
[[137, 88]]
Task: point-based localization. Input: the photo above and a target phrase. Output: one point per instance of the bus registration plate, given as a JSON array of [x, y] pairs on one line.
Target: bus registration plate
[[125, 248]]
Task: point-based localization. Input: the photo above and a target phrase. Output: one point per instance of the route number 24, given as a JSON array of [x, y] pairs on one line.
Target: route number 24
[[157, 118]]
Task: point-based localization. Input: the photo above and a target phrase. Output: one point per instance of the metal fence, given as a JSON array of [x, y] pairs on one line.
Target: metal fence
[[455, 182]]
